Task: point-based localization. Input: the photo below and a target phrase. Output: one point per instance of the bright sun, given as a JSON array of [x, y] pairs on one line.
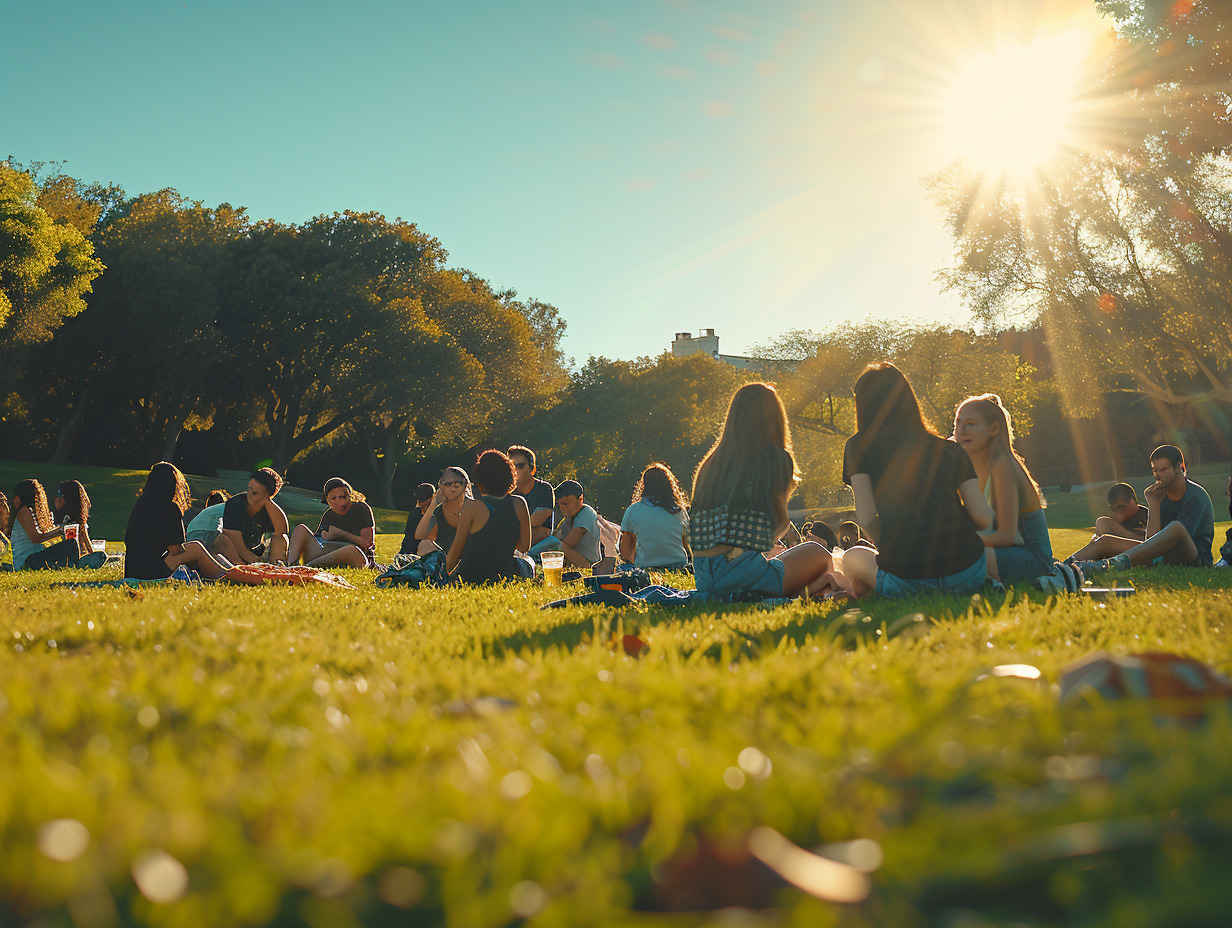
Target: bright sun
[[1016, 110]]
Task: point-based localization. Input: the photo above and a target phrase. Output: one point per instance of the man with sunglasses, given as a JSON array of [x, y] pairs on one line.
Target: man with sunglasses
[[539, 495]]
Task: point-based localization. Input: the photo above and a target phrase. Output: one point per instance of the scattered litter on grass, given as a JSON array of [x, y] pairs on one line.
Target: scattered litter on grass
[[750, 872], [1180, 688]]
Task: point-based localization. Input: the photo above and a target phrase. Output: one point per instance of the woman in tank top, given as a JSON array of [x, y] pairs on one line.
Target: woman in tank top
[[1016, 546], [30, 526], [438, 526], [492, 527]]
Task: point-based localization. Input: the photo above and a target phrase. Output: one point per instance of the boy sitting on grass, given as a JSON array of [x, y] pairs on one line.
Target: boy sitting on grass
[[1180, 526], [1128, 518]]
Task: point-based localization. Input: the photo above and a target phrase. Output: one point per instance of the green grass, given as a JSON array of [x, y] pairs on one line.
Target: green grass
[[314, 755]]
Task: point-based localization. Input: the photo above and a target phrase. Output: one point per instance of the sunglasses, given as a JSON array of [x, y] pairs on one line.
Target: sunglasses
[[452, 483], [522, 465]]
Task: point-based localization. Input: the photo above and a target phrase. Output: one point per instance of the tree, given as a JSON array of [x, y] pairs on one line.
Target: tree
[[616, 417], [326, 326], [46, 267], [1125, 254]]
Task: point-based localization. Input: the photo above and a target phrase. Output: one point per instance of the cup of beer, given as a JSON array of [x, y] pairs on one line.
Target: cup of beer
[[70, 531], [553, 565]]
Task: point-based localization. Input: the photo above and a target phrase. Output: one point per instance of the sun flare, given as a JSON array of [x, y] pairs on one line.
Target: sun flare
[[1016, 110]]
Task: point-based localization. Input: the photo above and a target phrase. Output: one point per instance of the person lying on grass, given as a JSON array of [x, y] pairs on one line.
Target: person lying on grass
[[917, 497], [739, 511], [154, 542], [345, 536], [1180, 525], [30, 527], [491, 528], [248, 517], [439, 523]]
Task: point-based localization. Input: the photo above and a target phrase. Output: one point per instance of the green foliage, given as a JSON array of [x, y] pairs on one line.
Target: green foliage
[[314, 755], [46, 266], [1124, 253], [616, 417]]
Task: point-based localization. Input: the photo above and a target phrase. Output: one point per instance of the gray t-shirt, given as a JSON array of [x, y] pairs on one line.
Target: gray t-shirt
[[587, 519], [659, 534]]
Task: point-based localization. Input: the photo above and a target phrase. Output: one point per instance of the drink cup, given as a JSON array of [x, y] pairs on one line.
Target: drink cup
[[70, 531], [553, 565], [98, 544]]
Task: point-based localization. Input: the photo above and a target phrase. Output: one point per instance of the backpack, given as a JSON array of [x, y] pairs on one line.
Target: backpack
[[415, 571]]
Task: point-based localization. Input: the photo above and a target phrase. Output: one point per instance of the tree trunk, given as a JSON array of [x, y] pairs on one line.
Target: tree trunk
[[72, 428], [172, 439]]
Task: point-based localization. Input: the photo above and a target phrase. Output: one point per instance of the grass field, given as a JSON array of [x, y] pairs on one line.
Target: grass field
[[237, 756]]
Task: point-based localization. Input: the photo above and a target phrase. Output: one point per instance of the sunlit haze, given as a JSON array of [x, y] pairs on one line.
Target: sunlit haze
[[649, 167]]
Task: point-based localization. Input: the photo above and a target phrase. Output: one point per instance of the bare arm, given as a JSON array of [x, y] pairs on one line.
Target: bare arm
[[523, 514], [539, 516], [628, 546], [575, 536], [1005, 505], [977, 507], [866, 506], [465, 518], [277, 517], [241, 549], [427, 526], [1154, 495], [27, 522]]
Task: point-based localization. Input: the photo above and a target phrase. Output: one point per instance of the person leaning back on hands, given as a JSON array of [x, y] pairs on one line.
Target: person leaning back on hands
[[248, 517]]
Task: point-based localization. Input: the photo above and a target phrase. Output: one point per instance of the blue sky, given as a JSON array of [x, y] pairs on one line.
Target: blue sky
[[648, 166]]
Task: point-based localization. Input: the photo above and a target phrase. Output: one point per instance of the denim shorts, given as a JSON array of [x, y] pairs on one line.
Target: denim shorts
[[966, 581], [750, 572]]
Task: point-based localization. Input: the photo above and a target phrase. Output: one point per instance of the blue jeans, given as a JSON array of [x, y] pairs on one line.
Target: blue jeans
[[966, 581], [749, 572], [1031, 559]]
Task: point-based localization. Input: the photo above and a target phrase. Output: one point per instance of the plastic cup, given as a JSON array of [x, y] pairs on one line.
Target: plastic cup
[[553, 566], [70, 531], [98, 544]]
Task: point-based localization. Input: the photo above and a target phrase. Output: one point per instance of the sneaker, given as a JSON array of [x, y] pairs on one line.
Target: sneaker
[[1120, 562], [1090, 567]]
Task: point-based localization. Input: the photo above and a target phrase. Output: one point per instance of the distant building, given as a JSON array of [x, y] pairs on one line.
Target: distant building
[[684, 344]]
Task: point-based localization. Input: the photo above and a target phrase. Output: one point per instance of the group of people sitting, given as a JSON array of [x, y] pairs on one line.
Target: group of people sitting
[[46, 536], [931, 513]]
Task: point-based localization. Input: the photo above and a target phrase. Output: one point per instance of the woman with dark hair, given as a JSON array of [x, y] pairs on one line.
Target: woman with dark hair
[[491, 528], [72, 506], [654, 530], [739, 511], [30, 526], [154, 544], [917, 497], [1016, 546], [346, 535], [437, 526]]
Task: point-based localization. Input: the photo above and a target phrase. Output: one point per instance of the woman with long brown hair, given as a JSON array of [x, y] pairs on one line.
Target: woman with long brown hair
[[739, 512], [917, 497], [154, 544]]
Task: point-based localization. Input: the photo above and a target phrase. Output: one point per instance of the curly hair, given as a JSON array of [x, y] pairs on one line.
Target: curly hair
[[494, 473], [268, 478], [659, 487], [76, 501], [32, 496]]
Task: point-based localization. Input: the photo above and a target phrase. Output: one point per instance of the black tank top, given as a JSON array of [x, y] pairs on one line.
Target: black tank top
[[489, 551]]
